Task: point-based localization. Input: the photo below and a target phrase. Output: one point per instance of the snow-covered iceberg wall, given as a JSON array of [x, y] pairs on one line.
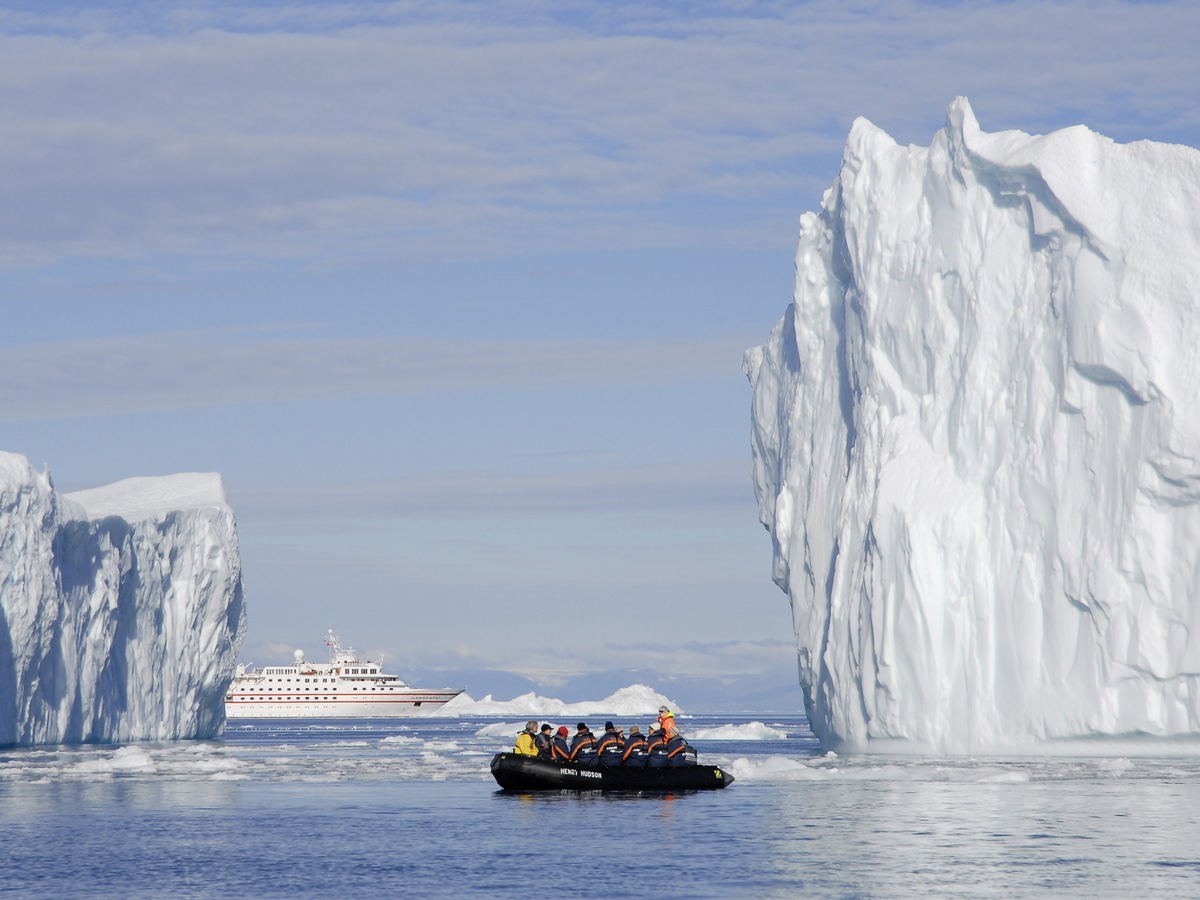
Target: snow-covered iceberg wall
[[976, 436], [121, 608]]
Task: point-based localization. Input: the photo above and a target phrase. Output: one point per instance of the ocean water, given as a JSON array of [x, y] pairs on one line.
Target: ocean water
[[407, 806]]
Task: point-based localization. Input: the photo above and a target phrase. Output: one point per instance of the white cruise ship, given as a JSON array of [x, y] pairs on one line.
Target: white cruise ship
[[345, 687]]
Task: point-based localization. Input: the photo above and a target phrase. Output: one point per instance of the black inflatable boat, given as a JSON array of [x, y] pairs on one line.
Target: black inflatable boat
[[514, 772]]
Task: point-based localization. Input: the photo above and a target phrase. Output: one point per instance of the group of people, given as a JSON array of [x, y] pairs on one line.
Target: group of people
[[663, 746]]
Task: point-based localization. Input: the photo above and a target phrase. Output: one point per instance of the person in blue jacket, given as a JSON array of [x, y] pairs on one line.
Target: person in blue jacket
[[635, 749], [545, 742], [583, 747], [560, 750], [656, 751], [679, 752], [610, 746]]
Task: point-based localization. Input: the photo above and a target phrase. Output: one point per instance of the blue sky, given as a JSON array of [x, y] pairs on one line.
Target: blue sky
[[454, 295]]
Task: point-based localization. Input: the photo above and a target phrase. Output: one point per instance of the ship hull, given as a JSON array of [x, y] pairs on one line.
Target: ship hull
[[412, 704], [514, 772]]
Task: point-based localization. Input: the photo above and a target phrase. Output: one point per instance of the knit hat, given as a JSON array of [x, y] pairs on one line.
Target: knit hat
[[608, 726], [562, 731], [582, 726]]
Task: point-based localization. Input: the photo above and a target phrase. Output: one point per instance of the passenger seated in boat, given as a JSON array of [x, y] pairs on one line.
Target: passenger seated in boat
[[560, 750], [545, 742], [527, 740], [656, 750], [583, 747], [680, 752], [610, 746], [635, 749]]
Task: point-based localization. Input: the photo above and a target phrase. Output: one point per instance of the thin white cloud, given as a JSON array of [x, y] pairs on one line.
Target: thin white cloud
[[221, 368], [719, 660], [338, 131], [696, 484]]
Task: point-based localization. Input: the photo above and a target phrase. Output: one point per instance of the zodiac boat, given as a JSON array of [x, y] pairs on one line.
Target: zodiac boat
[[514, 772]]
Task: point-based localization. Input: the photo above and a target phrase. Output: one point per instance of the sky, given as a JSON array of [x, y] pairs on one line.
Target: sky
[[454, 295]]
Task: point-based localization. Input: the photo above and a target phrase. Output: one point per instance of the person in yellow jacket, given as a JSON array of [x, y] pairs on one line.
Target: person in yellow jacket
[[527, 740]]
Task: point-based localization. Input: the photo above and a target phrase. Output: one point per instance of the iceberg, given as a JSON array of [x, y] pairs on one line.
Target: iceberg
[[121, 608], [976, 442], [634, 700]]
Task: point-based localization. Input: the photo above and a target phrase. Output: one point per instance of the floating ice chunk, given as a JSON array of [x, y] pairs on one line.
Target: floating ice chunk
[[772, 768], [748, 731]]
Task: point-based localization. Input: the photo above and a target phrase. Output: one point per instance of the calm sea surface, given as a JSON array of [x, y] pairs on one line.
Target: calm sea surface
[[389, 807]]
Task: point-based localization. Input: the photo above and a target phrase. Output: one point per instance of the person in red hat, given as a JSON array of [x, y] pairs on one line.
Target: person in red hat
[[560, 750]]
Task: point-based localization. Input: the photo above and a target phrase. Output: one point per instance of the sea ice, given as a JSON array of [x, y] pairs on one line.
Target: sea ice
[[976, 443]]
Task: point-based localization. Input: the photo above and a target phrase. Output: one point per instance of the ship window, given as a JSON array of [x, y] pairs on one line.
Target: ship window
[[418, 703]]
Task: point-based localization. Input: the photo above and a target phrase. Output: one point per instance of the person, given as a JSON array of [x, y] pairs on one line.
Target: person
[[527, 740], [560, 750], [656, 749], [666, 722], [583, 747], [635, 749], [679, 751], [610, 746], [545, 741]]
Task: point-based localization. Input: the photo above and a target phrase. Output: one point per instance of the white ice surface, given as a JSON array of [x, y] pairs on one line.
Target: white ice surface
[[635, 700], [391, 752], [121, 608], [745, 731], [142, 498], [977, 443]]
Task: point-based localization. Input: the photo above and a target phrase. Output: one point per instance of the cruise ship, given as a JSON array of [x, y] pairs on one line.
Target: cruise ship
[[345, 687]]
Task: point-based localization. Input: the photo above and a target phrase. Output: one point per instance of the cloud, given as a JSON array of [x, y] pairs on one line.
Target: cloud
[[675, 488], [228, 367], [693, 659], [343, 131]]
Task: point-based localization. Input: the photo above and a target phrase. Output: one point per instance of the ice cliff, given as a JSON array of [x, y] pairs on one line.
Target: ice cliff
[[121, 608], [976, 436]]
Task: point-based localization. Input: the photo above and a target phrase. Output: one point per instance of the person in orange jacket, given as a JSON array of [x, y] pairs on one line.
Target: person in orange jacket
[[666, 722]]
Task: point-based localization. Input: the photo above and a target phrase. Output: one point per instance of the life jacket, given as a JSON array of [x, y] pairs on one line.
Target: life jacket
[[560, 751], [656, 751], [609, 749], [583, 749], [635, 750], [666, 722], [544, 746], [680, 753]]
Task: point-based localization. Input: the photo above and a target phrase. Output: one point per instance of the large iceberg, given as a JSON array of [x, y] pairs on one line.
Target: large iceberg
[[976, 436], [121, 608]]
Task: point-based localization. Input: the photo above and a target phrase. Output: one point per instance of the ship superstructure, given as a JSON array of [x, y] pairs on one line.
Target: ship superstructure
[[344, 687]]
